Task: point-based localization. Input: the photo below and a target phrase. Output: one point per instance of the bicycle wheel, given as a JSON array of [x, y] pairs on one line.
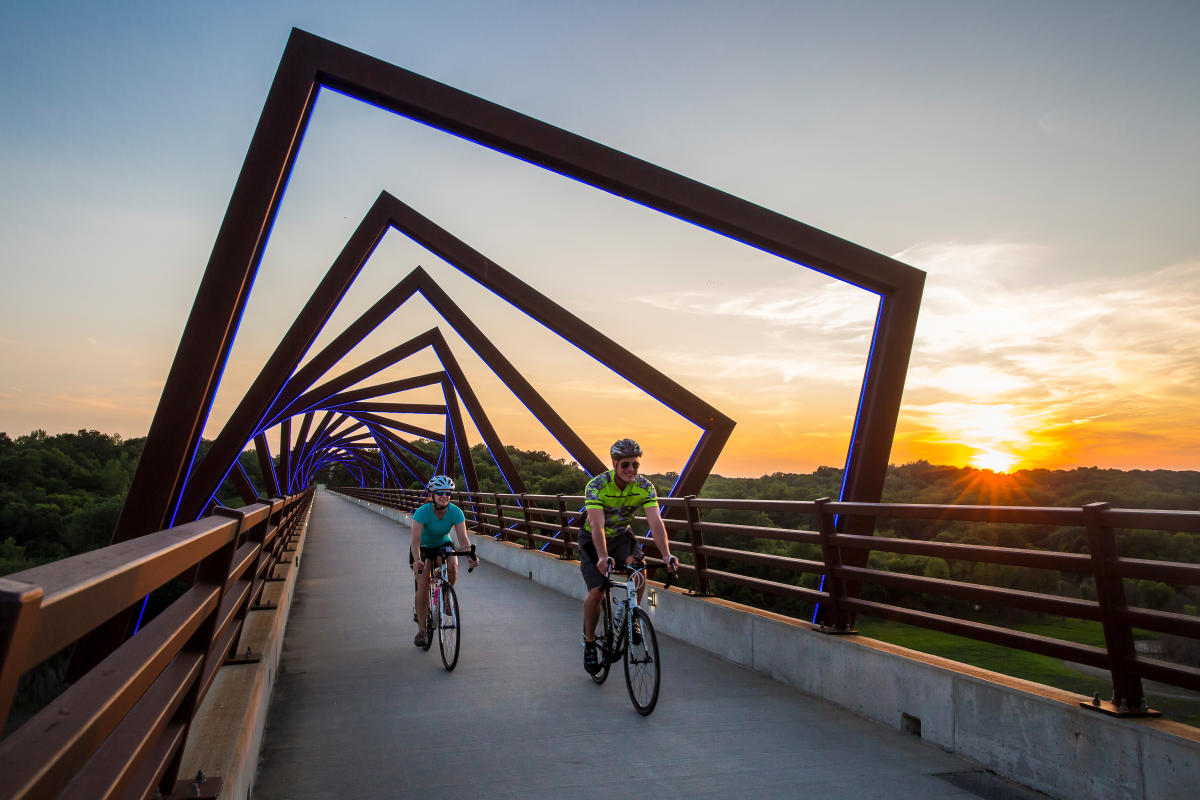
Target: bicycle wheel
[[642, 667], [604, 641], [449, 627]]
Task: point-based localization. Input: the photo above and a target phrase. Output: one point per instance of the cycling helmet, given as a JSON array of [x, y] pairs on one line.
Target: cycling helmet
[[624, 448], [440, 483]]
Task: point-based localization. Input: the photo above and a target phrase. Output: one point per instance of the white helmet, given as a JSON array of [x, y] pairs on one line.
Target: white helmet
[[440, 483]]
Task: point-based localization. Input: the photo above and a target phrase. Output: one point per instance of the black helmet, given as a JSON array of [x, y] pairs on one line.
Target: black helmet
[[624, 448]]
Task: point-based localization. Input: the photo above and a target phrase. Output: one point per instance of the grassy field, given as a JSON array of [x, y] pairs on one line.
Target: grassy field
[[1028, 666]]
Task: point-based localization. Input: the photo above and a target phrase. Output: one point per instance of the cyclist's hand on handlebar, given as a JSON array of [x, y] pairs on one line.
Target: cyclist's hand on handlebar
[[672, 564], [605, 565]]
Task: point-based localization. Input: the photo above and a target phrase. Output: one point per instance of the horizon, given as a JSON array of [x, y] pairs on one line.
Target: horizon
[[1037, 162], [569, 462]]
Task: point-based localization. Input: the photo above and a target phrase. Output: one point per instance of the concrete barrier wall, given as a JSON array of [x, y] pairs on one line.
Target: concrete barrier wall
[[1033, 734]]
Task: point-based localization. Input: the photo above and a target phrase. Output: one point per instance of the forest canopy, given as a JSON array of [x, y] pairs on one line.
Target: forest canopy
[[61, 494]]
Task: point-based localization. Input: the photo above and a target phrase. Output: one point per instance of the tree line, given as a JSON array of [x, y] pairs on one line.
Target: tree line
[[62, 494]]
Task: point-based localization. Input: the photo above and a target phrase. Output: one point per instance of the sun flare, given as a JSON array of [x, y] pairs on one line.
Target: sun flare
[[994, 460]]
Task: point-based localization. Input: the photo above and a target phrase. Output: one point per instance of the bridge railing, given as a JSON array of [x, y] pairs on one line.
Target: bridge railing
[[550, 523], [121, 728]]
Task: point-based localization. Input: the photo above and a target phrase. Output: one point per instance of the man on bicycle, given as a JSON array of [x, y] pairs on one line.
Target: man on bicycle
[[431, 526], [612, 499]]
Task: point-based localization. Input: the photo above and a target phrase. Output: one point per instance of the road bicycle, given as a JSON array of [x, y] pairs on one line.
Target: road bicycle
[[443, 611], [628, 636]]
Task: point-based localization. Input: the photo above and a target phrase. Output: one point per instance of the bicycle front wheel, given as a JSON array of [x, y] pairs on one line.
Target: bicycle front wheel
[[642, 665], [449, 627]]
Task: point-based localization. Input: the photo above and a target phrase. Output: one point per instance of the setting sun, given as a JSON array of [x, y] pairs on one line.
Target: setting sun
[[994, 460]]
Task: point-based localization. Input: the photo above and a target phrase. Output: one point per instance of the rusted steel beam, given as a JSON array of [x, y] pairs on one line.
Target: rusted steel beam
[[241, 481], [389, 387], [454, 415], [478, 416], [208, 335], [283, 465], [385, 422], [317, 396], [253, 407], [267, 464], [389, 408]]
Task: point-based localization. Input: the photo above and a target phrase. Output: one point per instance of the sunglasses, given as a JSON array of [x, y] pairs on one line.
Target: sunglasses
[[441, 494], [628, 464]]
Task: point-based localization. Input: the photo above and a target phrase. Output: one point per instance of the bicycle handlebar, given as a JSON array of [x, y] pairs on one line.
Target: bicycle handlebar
[[628, 569], [451, 552]]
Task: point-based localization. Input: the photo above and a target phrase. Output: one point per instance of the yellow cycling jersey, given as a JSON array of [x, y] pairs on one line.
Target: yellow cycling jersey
[[620, 506]]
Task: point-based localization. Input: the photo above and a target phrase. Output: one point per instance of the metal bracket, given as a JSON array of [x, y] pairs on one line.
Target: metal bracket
[[1122, 710], [199, 788], [831, 631]]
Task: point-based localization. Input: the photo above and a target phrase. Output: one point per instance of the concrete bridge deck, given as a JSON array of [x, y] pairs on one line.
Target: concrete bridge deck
[[358, 712]]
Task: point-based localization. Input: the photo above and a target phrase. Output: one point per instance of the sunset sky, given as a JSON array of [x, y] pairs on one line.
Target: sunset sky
[[1039, 160]]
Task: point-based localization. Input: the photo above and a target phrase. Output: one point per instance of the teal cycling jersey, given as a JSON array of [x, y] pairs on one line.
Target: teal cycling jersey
[[620, 506], [434, 531]]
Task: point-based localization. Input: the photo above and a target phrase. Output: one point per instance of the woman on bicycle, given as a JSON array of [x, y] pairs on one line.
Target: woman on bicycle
[[431, 526], [612, 499]]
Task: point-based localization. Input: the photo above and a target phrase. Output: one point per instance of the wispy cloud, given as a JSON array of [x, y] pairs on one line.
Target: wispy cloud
[[998, 346], [1007, 356], [830, 308]]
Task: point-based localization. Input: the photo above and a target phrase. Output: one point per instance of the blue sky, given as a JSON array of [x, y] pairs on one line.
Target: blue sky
[[1037, 159]]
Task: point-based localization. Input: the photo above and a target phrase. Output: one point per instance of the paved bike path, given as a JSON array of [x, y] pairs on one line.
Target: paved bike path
[[359, 712]]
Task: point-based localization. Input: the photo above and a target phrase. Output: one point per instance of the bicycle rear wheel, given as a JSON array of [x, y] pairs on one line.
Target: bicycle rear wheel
[[604, 641], [449, 627], [642, 666]]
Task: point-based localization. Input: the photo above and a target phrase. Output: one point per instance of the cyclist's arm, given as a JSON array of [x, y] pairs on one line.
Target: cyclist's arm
[[596, 524], [658, 531], [415, 544], [460, 533]]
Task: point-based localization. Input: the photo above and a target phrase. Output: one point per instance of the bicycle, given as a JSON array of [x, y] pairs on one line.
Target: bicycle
[[443, 598], [619, 641]]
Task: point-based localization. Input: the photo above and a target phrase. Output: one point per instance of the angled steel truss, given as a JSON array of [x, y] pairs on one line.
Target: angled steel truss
[[170, 486]]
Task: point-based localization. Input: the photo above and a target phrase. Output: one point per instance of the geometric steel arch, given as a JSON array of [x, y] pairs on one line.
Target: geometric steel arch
[[310, 63], [276, 393]]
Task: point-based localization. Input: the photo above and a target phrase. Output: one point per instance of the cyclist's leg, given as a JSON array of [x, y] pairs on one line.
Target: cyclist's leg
[[592, 604], [421, 601], [627, 549], [452, 569], [594, 582]]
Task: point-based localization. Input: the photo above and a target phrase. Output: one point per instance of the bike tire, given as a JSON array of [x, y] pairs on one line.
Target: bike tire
[[604, 642], [449, 628], [642, 667]]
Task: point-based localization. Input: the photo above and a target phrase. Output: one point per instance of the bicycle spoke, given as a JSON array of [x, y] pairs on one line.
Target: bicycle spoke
[[604, 642], [642, 666], [449, 627]]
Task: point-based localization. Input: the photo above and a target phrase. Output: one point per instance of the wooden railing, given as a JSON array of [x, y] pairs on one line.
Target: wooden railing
[[550, 522], [119, 731]]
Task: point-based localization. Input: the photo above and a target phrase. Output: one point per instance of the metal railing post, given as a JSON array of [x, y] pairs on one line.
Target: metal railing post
[[837, 619], [529, 543], [1127, 699], [696, 540], [564, 532], [501, 534], [19, 606]]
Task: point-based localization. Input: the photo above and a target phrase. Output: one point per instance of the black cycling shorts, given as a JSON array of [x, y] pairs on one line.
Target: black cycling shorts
[[620, 546]]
